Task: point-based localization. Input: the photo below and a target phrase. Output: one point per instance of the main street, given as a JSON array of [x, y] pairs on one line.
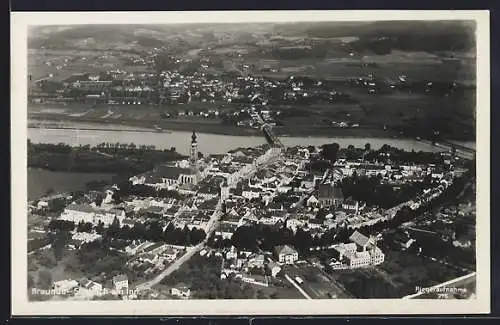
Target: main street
[[210, 228]]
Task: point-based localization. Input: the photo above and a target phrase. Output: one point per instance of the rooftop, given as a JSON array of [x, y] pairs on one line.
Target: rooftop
[[120, 277], [81, 208], [284, 249], [170, 172], [359, 239], [330, 191]]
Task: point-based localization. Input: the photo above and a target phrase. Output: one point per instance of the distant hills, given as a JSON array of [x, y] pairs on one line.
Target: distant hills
[[380, 37]]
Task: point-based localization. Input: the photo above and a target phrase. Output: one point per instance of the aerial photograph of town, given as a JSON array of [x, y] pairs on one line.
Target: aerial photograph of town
[[287, 160]]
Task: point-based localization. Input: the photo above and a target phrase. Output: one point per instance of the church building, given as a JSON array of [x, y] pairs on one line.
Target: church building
[[166, 175]]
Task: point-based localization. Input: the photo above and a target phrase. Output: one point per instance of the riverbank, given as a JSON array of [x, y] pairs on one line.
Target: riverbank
[[162, 126]]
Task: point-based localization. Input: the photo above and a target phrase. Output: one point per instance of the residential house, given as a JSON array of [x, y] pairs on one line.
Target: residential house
[[181, 291], [199, 221], [274, 268], [256, 260], [251, 193], [232, 253], [404, 240], [42, 205], [120, 283], [226, 230], [275, 206], [149, 258], [170, 253], [156, 248], [286, 254], [65, 286], [352, 205], [232, 217], [312, 201], [314, 224], [94, 287], [330, 223], [293, 223], [462, 242], [137, 247], [154, 211]]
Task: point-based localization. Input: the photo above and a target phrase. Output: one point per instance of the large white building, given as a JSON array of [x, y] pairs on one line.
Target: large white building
[[286, 254], [361, 252], [87, 213]]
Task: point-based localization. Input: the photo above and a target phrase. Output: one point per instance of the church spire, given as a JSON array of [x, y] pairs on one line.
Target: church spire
[[193, 153]]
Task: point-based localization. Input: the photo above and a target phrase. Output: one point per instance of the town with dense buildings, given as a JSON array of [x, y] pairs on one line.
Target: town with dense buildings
[[269, 219]]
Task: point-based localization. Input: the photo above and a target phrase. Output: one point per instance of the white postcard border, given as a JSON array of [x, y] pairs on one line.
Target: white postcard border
[[20, 303]]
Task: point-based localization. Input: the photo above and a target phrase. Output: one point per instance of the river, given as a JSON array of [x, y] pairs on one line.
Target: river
[[207, 143]]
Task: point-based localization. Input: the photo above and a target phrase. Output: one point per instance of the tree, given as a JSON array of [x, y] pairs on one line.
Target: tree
[[328, 237], [330, 151], [186, 236], [113, 229], [319, 165], [50, 191], [100, 227], [321, 214], [154, 231], [59, 243], [98, 200], [77, 195], [57, 205], [61, 225], [368, 147], [197, 236], [44, 279], [245, 237], [31, 281], [302, 240], [116, 198]]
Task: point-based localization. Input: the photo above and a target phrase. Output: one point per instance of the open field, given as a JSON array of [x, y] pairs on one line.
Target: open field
[[149, 118], [386, 67], [317, 284], [452, 115], [398, 276], [64, 63], [464, 287]]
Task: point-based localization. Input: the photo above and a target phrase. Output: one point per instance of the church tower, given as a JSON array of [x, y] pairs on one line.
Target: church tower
[[193, 153], [224, 190]]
